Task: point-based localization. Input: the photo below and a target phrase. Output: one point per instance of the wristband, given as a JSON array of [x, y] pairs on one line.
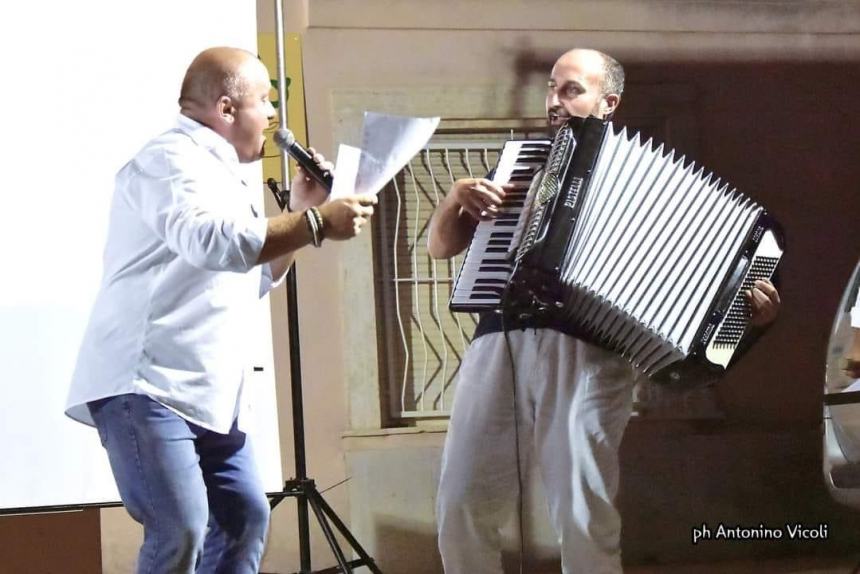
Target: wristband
[[313, 227]]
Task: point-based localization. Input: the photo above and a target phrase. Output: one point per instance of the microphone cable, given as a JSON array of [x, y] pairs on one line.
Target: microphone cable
[[520, 505], [282, 197]]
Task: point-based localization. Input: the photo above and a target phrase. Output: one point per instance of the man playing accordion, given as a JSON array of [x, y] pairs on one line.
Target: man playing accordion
[[536, 394]]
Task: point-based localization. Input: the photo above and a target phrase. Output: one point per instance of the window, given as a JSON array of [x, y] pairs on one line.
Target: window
[[421, 341]]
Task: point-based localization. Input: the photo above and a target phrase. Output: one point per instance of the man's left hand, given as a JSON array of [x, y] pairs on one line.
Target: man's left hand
[[305, 191], [764, 303]]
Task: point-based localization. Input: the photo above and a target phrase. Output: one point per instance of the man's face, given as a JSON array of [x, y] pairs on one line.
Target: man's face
[[252, 113], [574, 88]]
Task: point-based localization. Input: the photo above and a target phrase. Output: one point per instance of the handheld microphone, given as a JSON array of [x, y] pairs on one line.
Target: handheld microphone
[[287, 142]]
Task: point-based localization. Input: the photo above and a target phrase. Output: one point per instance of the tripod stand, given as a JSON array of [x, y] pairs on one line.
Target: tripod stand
[[301, 487]]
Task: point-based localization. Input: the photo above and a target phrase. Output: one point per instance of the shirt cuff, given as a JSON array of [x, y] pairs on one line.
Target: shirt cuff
[[250, 241], [268, 282]]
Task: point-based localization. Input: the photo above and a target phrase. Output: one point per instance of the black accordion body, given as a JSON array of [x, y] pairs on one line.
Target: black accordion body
[[626, 245]]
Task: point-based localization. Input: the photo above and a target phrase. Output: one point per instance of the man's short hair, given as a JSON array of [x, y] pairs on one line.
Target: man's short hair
[[613, 75], [209, 78], [234, 85]]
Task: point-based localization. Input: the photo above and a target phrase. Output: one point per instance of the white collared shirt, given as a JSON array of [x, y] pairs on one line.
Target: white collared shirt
[[179, 281]]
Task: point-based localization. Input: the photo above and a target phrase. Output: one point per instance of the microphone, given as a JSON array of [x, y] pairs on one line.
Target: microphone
[[287, 142]]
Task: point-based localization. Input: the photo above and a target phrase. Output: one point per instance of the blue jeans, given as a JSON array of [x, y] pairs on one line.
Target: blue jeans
[[196, 492]]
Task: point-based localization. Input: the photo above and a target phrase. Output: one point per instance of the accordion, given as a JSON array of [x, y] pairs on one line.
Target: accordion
[[625, 245]]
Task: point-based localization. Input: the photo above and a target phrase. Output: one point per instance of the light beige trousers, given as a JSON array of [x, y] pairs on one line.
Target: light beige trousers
[[573, 401]]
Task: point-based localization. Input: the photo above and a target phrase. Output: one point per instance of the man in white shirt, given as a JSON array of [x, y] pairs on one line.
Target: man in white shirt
[[160, 370]]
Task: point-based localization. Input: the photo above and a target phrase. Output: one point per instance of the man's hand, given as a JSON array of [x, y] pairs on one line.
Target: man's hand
[[469, 201], [478, 197], [305, 191], [344, 218], [764, 303]]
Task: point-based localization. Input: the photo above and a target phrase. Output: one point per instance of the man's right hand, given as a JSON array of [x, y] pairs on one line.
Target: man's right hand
[[469, 201], [479, 197], [344, 218]]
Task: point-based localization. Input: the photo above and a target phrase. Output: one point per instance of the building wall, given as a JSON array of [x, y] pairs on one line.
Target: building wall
[[767, 84]]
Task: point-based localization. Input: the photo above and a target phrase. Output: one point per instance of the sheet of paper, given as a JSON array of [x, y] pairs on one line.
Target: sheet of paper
[[345, 172], [387, 144]]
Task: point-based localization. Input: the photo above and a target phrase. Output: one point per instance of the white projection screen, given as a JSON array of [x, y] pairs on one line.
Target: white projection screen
[[85, 85]]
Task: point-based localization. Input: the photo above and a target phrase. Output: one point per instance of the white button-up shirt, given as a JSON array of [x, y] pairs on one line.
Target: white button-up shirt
[[170, 319]]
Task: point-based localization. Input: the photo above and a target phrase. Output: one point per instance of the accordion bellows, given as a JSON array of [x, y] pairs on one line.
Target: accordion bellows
[[626, 244]]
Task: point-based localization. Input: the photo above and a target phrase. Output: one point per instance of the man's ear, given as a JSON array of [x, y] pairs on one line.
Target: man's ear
[[609, 103], [226, 110]]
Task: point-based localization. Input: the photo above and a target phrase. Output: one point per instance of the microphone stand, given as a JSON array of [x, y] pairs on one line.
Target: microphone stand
[[301, 487]]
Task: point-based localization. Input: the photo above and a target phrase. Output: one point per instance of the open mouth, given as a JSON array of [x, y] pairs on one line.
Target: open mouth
[[555, 118]]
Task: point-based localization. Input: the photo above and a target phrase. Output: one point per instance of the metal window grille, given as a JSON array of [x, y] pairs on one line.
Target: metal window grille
[[421, 342]]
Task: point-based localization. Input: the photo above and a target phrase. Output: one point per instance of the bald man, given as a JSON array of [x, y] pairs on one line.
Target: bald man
[[571, 401], [163, 366]]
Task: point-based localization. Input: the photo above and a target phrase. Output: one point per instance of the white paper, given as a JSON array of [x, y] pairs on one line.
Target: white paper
[[387, 144], [345, 172]]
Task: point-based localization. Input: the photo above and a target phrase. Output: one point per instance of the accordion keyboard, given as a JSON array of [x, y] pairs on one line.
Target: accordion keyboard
[[487, 265]]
